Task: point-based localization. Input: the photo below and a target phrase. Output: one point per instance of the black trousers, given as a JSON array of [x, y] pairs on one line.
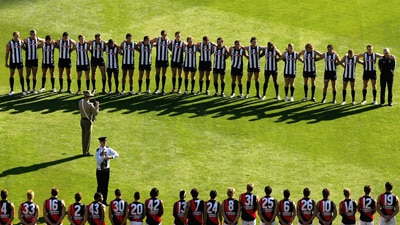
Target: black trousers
[[103, 176], [386, 80]]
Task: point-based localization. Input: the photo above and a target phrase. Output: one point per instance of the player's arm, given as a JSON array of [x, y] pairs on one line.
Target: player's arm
[[393, 67], [341, 62], [153, 41], [126, 214], [188, 205], [110, 214], [396, 210], [11, 214], [137, 46], [7, 53], [337, 59], [161, 212], [63, 212], [316, 212], [220, 214], [36, 219], [102, 216], [45, 214], [301, 220], [299, 58], [379, 206], [334, 213], [73, 45], [294, 214], [260, 214], [69, 216], [237, 216], [379, 55]]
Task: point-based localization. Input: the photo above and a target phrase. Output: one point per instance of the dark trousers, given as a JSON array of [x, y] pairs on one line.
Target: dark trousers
[[386, 80], [103, 176], [86, 126]]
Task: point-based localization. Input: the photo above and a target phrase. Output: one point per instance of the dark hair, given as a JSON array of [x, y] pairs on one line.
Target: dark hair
[[325, 193], [118, 192], [268, 190], [97, 195], [97, 35], [54, 191], [270, 45], [136, 195], [65, 34], [182, 194], [213, 194], [205, 38], [78, 196], [286, 193], [253, 39], [346, 192], [367, 189], [154, 192], [128, 35], [194, 192], [176, 33], [330, 46], [4, 194], [306, 192], [237, 42], [145, 38], [163, 32], [48, 37], [388, 186], [220, 39]]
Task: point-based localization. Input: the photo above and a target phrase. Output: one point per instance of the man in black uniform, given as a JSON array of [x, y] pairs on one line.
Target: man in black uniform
[[387, 64], [7, 209]]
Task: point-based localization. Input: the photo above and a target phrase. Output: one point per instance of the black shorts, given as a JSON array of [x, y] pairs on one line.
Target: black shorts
[[128, 67], [253, 70], [190, 69], [163, 63], [348, 79], [45, 66], [218, 71], [176, 65], [97, 62], [369, 75], [31, 63], [330, 75], [270, 72], [109, 70], [236, 71], [289, 76], [14, 66], [64, 63], [309, 74], [144, 67], [205, 66], [82, 68]]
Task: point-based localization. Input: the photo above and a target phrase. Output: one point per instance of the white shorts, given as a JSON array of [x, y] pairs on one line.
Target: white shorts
[[251, 222], [390, 222], [366, 223], [136, 223], [272, 223]]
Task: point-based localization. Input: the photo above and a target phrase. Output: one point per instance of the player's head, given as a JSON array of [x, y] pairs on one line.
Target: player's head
[[97, 37], [154, 192], [306, 192], [213, 194], [177, 35], [16, 34], [4, 194], [98, 196], [189, 39], [194, 192], [268, 190], [329, 47], [367, 189], [270, 45], [32, 33], [309, 47], [65, 35], [78, 196], [286, 193], [54, 191], [136, 195], [110, 43], [182, 194], [206, 39], [48, 38], [350, 52], [30, 194], [290, 47], [369, 48], [253, 41], [249, 187], [237, 43], [81, 37], [388, 186], [128, 36], [386, 52], [346, 192], [220, 41], [325, 193], [118, 192], [163, 33], [230, 192], [146, 39]]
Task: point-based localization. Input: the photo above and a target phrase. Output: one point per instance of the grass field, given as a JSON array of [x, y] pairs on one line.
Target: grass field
[[176, 142]]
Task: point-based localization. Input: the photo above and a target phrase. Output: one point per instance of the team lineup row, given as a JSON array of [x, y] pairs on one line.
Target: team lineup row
[[182, 57], [210, 212]]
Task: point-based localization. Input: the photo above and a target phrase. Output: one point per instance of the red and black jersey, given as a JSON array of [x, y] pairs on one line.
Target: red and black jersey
[[348, 211], [286, 210], [96, 213], [5, 211], [306, 208], [248, 203], [154, 211], [231, 209], [388, 203], [54, 209], [118, 209], [267, 207], [212, 209], [326, 208], [136, 212], [179, 212], [76, 213], [28, 211], [366, 204], [195, 212]]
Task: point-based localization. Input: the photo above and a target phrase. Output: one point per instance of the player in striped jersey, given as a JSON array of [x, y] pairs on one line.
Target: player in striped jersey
[[369, 73], [205, 49], [137, 211], [272, 56], [162, 44], [66, 46], [326, 209], [309, 69], [144, 48], [249, 205], [236, 53], [119, 210], [213, 210], [54, 209], [112, 51], [189, 64], [31, 45], [231, 208], [127, 49], [28, 212], [14, 61], [268, 208], [306, 208], [287, 209], [194, 210], [253, 66], [349, 62], [48, 62], [96, 211], [176, 47], [97, 47], [348, 208], [220, 52], [387, 206], [82, 61], [7, 209], [154, 208], [331, 61], [178, 211], [366, 207], [77, 211], [290, 57]]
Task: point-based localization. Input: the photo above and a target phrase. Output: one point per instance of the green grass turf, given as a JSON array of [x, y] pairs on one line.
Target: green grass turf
[[178, 142]]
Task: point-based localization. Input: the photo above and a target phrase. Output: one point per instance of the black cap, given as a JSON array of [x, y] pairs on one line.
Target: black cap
[[102, 138]]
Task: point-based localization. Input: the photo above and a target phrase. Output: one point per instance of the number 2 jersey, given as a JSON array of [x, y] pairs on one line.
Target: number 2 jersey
[[76, 212]]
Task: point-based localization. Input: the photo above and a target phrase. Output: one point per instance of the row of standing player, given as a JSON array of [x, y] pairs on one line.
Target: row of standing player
[[178, 48], [211, 212]]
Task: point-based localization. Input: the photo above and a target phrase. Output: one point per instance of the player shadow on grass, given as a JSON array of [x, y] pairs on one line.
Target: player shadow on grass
[[27, 169]]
